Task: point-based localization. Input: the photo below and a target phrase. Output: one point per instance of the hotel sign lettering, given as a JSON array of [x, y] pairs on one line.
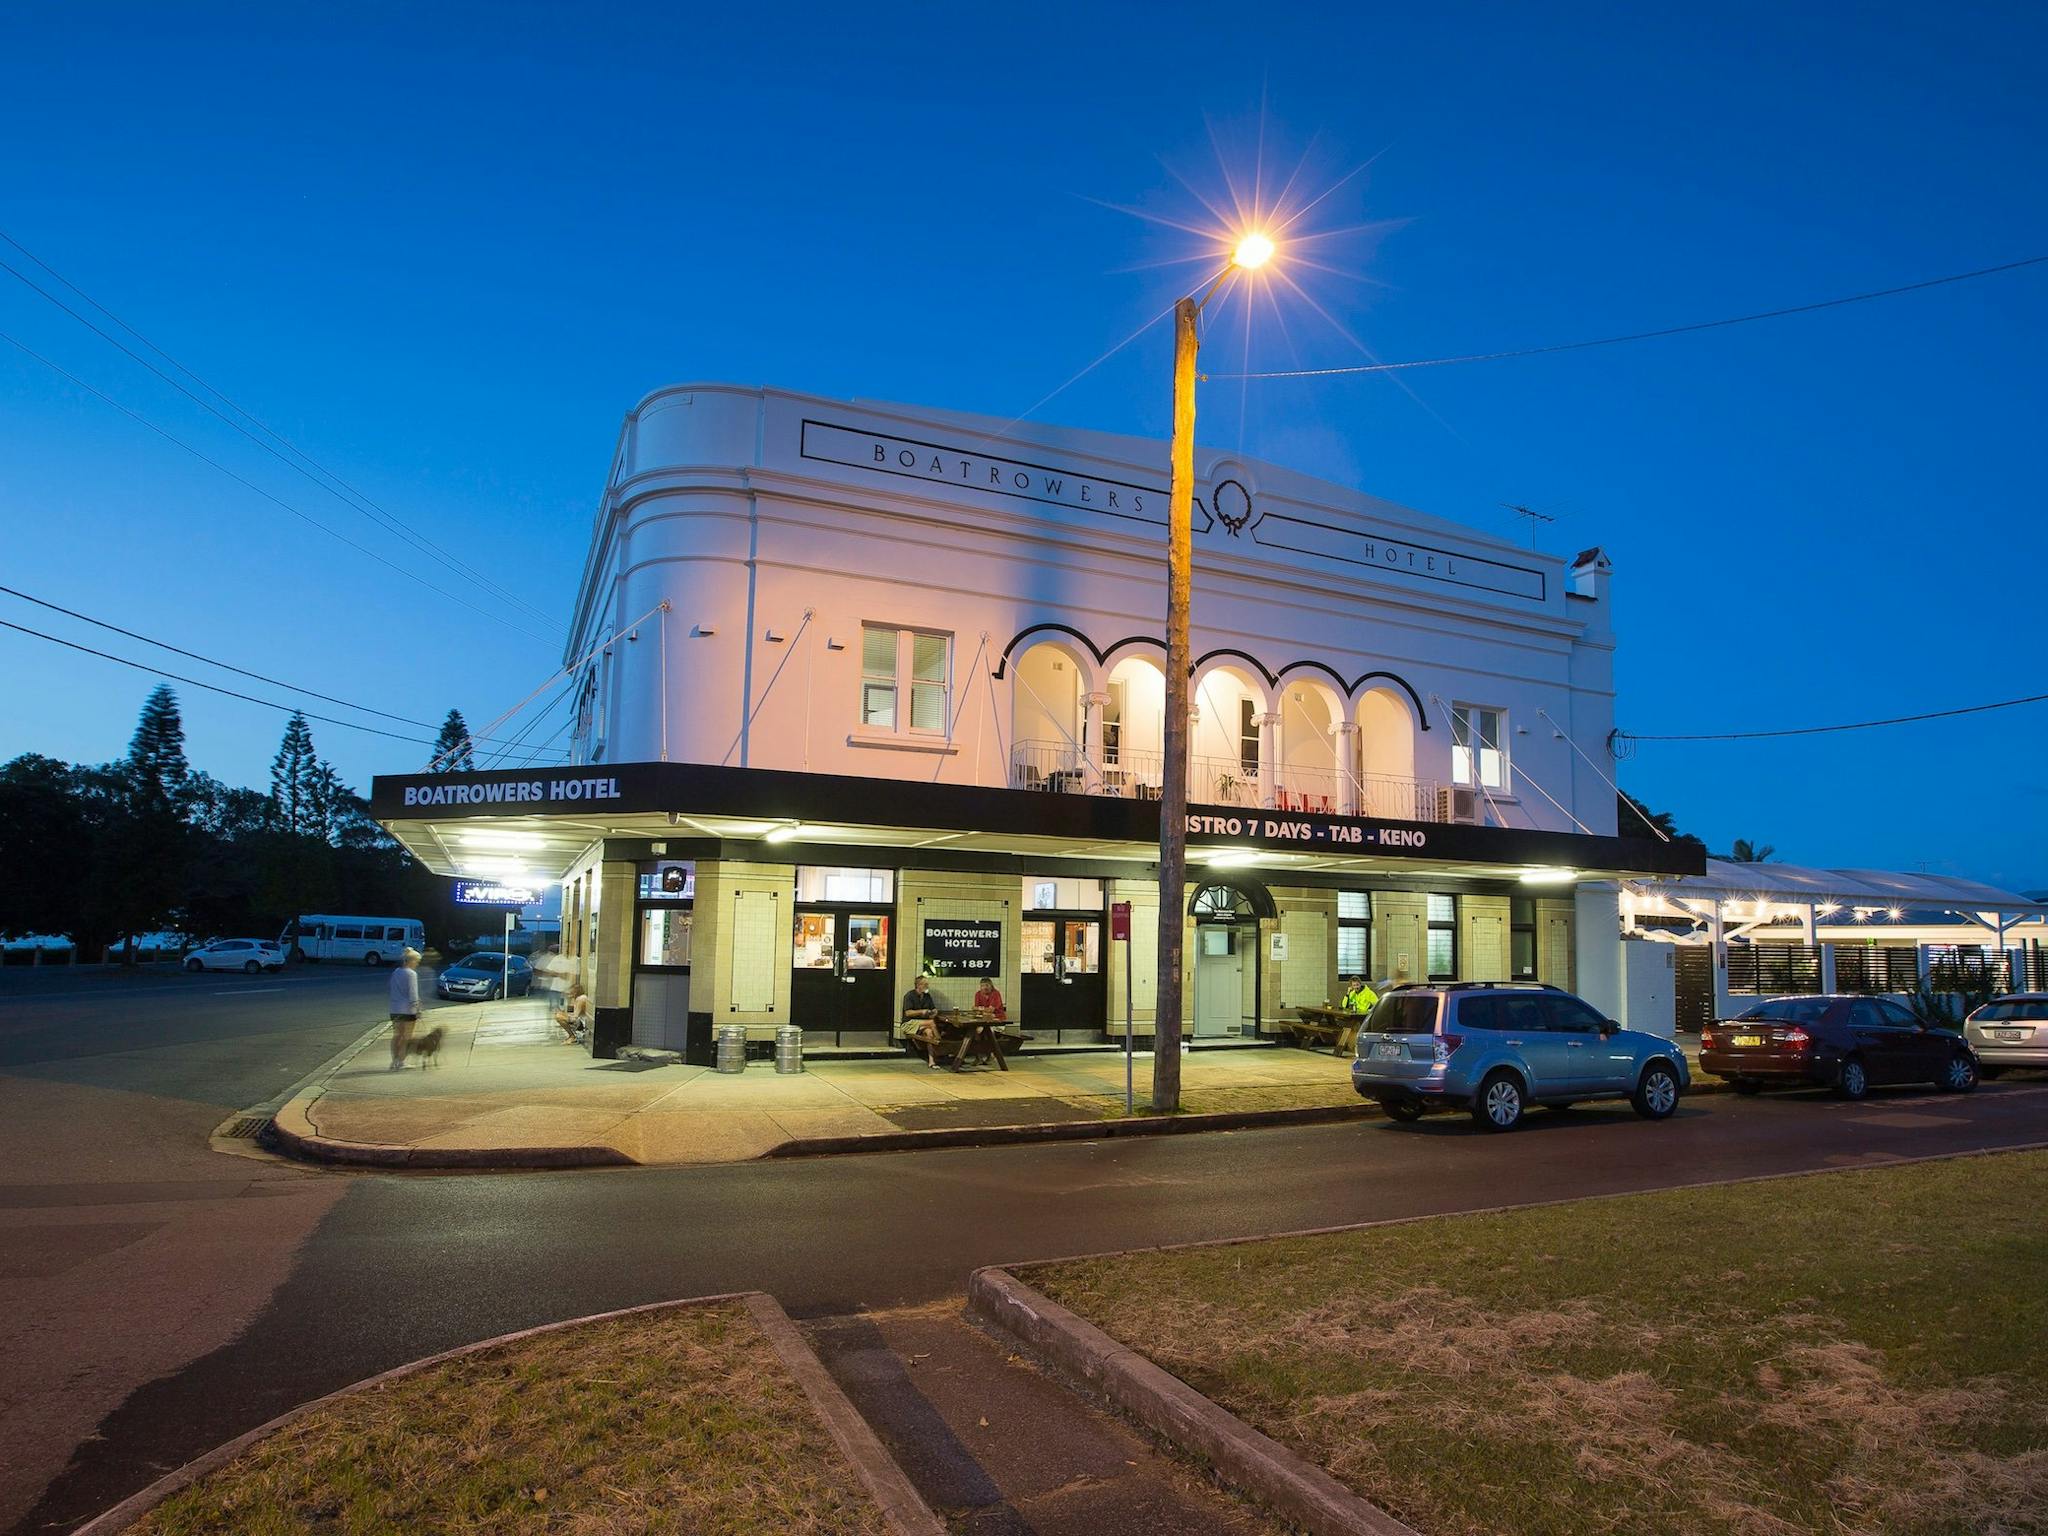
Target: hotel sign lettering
[[1232, 512], [556, 789], [1281, 831], [963, 947], [969, 469]]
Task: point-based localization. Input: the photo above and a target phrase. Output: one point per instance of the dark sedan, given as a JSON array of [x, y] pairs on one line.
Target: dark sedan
[[1849, 1044], [484, 977]]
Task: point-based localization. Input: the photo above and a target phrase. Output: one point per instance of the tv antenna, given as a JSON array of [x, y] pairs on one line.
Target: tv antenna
[[1532, 514]]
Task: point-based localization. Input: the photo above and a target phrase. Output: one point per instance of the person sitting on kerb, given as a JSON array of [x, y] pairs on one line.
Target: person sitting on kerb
[[919, 1002]]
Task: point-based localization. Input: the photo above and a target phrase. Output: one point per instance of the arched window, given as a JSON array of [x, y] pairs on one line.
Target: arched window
[[1221, 904]]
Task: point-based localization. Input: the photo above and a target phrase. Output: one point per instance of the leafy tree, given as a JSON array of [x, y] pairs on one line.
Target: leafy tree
[[454, 751], [46, 831], [156, 753], [291, 777], [1746, 852], [1632, 818]]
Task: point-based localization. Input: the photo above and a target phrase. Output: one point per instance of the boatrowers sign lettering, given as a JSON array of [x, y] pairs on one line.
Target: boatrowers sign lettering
[[1023, 479], [513, 792]]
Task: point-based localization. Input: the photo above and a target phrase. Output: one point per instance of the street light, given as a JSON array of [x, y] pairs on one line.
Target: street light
[[1252, 250]]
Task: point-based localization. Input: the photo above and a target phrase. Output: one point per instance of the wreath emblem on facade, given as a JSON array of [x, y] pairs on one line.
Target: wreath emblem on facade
[[1233, 507]]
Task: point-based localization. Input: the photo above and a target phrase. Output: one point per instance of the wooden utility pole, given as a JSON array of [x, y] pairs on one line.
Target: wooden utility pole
[[1173, 789]]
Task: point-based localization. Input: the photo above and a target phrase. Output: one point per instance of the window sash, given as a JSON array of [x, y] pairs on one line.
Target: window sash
[[895, 661]]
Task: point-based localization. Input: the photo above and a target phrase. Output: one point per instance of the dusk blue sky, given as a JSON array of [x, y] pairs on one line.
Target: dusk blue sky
[[445, 247]]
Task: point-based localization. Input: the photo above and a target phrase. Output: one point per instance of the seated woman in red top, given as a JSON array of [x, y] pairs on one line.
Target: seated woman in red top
[[986, 996]]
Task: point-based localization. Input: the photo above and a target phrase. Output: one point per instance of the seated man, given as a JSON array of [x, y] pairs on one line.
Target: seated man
[[860, 958], [919, 1002], [1360, 998], [987, 997]]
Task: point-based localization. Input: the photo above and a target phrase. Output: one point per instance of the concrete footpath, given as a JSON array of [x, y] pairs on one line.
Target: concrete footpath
[[509, 1091]]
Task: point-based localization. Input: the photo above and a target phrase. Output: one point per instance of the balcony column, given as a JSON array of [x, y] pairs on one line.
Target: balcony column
[[1269, 759], [1349, 800], [1091, 740]]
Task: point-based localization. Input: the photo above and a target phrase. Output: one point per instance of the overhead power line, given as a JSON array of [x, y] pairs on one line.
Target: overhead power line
[[178, 650], [1854, 725], [1615, 341], [325, 478], [193, 682], [305, 517]]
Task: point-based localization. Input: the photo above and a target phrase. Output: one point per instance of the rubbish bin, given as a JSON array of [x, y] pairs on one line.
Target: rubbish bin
[[789, 1049], [732, 1047]]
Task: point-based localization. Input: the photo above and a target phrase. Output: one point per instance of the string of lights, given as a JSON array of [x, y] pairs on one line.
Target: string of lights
[[1615, 341]]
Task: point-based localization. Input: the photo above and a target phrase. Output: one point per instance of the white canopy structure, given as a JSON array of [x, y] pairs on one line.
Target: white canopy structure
[[1832, 891]]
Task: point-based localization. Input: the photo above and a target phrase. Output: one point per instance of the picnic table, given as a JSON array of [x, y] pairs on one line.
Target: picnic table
[[1334, 1027], [979, 1033]]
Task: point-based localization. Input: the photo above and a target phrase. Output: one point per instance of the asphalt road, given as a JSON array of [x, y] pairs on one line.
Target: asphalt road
[[378, 1269]]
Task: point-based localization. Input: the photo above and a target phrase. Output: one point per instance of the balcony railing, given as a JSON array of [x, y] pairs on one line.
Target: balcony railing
[[1058, 768]]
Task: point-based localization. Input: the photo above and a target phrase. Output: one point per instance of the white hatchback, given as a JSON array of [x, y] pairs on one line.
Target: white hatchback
[[2010, 1032], [246, 955]]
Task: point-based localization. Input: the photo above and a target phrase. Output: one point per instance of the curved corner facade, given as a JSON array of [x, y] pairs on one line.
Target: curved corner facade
[[864, 693]]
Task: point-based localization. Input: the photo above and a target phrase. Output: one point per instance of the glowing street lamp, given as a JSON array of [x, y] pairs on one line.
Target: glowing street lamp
[[1252, 250]]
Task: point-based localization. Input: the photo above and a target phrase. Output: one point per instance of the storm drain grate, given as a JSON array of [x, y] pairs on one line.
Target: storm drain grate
[[247, 1127]]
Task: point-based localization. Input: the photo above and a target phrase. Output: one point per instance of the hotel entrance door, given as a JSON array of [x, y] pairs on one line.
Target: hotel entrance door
[[1226, 959], [1064, 993], [840, 985]]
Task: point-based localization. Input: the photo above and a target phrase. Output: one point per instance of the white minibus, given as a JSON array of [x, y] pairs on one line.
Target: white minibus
[[365, 940]]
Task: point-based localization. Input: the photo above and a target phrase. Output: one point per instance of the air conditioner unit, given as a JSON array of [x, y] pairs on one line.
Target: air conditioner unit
[[1459, 805]]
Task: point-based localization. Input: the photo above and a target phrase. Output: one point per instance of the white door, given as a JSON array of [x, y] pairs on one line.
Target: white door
[[1219, 982]]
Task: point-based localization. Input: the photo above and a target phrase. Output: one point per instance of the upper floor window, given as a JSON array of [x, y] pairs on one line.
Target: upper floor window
[[1479, 746], [1248, 738], [896, 662]]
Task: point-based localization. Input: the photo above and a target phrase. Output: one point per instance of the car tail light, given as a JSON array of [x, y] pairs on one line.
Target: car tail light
[[1797, 1038], [1708, 1039], [1446, 1044]]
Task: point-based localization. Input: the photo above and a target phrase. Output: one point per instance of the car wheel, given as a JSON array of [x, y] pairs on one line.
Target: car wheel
[[1851, 1081], [373, 958], [1656, 1095], [497, 992], [251, 968], [1960, 1076], [194, 966], [1748, 1085], [1498, 1104], [1407, 1111]]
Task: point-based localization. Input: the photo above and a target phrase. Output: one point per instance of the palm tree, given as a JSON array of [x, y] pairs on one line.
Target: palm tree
[[1746, 852]]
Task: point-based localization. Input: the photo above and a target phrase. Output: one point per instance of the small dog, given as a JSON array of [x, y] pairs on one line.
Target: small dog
[[427, 1046]]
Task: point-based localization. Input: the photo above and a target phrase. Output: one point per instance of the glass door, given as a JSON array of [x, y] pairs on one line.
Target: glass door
[[840, 975], [1063, 984]]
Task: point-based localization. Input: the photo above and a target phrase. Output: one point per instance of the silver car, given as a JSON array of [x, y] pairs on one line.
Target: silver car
[[1495, 1048], [2009, 1032]]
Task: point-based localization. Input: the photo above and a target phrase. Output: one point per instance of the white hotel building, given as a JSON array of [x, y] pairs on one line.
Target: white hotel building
[[863, 689]]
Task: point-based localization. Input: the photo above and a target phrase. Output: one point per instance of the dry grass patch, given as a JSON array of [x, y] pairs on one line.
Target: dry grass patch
[[1849, 1352], [675, 1421]]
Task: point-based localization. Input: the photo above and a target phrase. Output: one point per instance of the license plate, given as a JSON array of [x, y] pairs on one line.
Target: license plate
[[1749, 1039], [2010, 1034], [1389, 1050]]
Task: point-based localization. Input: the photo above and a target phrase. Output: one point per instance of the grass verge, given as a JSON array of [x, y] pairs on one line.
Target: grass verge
[[1860, 1351], [675, 1421]]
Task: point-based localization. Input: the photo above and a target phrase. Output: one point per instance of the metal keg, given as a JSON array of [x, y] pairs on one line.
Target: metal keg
[[732, 1047], [789, 1049]]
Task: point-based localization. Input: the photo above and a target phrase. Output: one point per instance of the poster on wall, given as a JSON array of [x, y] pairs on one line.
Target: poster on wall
[[963, 946]]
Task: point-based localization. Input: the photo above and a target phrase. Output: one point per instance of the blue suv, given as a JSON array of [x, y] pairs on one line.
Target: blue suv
[[1495, 1048]]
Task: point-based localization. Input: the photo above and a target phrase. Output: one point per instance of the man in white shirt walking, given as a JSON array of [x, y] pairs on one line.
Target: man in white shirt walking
[[405, 1005]]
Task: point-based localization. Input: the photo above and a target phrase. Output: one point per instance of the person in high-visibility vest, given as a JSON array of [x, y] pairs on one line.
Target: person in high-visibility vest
[[1361, 997]]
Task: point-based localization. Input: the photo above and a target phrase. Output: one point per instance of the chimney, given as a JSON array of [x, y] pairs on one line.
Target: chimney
[[1590, 570]]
